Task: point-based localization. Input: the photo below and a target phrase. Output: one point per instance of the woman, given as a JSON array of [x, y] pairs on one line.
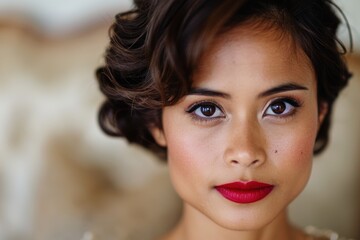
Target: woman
[[236, 95]]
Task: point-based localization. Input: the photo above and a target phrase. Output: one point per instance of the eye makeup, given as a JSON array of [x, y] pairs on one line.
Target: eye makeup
[[206, 111], [282, 108]]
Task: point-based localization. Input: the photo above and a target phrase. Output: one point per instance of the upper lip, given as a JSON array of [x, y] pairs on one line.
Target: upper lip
[[244, 185]]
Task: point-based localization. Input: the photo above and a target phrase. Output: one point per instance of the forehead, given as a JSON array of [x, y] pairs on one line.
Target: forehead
[[254, 49]]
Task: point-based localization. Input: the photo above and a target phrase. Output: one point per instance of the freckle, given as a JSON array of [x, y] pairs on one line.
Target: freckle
[[276, 151]]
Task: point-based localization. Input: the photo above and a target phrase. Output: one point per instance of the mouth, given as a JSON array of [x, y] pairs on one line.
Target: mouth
[[244, 192]]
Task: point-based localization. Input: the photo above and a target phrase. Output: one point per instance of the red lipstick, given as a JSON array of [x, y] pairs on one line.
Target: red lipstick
[[244, 192]]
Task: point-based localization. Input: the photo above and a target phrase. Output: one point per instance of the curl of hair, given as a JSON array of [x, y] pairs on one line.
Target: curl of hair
[[155, 47]]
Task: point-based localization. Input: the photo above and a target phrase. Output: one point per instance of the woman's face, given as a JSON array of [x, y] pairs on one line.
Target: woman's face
[[251, 116]]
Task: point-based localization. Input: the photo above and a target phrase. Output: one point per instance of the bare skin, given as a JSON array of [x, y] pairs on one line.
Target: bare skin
[[233, 134], [281, 231]]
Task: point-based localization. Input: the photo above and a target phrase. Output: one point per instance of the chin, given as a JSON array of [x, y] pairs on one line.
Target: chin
[[243, 223]]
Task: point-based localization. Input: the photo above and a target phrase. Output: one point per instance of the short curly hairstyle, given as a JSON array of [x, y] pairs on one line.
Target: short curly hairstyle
[[154, 49]]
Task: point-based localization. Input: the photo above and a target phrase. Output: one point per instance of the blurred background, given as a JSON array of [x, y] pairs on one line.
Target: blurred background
[[62, 178]]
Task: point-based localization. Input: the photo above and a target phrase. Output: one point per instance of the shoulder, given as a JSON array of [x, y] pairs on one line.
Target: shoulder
[[323, 234]]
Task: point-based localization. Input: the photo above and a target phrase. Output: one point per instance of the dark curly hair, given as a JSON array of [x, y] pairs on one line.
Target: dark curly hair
[[154, 49]]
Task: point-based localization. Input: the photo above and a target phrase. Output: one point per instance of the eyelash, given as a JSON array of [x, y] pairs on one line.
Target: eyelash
[[196, 106], [287, 100], [295, 104]]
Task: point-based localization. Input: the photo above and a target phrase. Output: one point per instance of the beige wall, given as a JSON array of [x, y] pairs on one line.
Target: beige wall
[[60, 176]]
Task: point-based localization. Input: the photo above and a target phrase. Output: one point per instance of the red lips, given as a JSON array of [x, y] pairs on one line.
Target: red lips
[[244, 192]]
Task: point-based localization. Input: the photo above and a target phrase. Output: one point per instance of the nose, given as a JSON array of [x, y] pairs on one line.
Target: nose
[[245, 144]]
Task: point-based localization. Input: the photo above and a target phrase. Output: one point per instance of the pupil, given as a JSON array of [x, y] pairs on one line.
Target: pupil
[[278, 107], [208, 110]]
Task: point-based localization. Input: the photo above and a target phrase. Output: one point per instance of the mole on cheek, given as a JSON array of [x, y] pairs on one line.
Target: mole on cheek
[[276, 151]]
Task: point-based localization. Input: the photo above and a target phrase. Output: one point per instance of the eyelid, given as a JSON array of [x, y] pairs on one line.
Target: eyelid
[[195, 105], [290, 100]]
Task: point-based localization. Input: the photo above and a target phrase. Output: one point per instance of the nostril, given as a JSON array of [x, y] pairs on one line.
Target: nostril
[[255, 162], [249, 163], [234, 162]]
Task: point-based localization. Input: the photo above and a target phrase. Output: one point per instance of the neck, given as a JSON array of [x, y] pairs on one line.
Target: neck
[[194, 225]]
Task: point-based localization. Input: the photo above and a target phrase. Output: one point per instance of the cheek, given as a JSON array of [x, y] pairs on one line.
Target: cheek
[[298, 158], [297, 140], [299, 147], [181, 154], [188, 146], [192, 157], [293, 155], [186, 167], [186, 159], [190, 153]]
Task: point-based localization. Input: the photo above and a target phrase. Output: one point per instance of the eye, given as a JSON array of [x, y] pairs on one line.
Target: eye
[[282, 107], [206, 111]]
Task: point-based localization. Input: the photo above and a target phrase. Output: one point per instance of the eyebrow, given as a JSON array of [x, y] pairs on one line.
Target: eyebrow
[[282, 88], [207, 92], [277, 89]]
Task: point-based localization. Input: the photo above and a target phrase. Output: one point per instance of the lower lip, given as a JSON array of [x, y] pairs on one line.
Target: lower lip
[[244, 195]]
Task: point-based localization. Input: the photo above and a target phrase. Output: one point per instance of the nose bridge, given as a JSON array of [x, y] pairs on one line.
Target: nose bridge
[[246, 143]]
